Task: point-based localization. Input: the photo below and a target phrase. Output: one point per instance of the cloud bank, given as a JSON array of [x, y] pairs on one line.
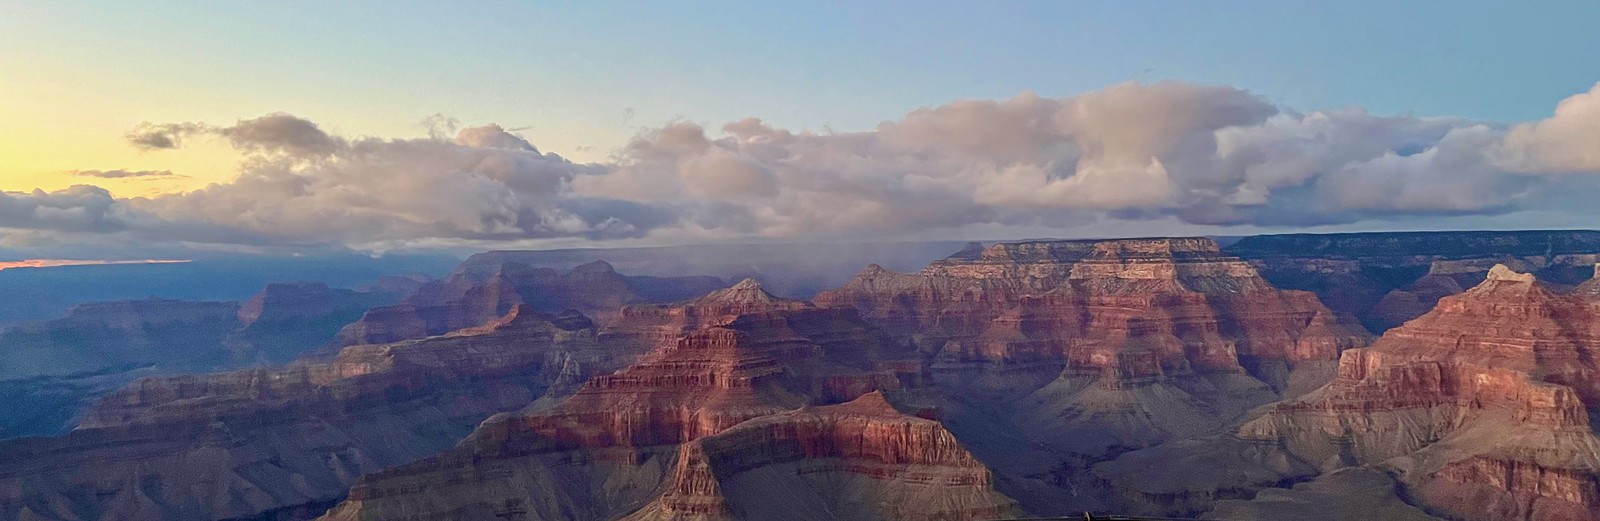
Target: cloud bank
[[1168, 152]]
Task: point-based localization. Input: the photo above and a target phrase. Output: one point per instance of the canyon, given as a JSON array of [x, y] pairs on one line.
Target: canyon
[[1390, 376]]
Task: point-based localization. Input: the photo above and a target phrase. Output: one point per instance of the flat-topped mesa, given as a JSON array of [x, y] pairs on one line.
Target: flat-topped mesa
[[1036, 301], [1501, 376], [956, 297], [832, 454]]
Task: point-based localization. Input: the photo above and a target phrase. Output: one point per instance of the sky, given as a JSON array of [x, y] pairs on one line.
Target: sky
[[1269, 115]]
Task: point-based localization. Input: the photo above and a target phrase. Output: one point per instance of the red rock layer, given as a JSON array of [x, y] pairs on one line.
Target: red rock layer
[[1130, 311], [755, 355], [1386, 279], [1484, 402], [250, 443], [916, 468]]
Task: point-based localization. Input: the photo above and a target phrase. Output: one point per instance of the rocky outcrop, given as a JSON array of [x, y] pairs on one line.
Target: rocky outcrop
[[816, 462], [1388, 278], [266, 442], [1054, 355], [616, 445], [1128, 342], [479, 291], [1481, 408]]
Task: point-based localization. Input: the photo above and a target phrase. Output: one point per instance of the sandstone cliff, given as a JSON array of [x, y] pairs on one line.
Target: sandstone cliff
[[626, 439], [1388, 278], [1481, 408], [1086, 349]]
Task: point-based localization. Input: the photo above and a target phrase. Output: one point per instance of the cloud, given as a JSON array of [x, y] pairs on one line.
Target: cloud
[[1567, 141], [79, 208], [126, 174], [1164, 154], [272, 133]]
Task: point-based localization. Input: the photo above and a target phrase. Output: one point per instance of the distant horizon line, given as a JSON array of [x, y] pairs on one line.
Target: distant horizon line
[[57, 263]]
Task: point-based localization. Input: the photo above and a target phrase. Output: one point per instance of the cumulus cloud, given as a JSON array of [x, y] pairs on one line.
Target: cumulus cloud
[[79, 208], [1166, 153], [1568, 141]]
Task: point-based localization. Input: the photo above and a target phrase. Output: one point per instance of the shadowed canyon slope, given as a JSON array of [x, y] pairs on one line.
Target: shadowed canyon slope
[[259, 441], [51, 370], [488, 285]]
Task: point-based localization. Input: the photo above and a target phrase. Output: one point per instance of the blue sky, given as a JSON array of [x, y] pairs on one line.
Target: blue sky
[[578, 67]]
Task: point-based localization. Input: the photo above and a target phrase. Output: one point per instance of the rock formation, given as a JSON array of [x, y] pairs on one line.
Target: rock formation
[[636, 441], [1086, 349], [1481, 408], [290, 441], [101, 335], [478, 291], [50, 371], [858, 460], [1388, 278], [1151, 338]]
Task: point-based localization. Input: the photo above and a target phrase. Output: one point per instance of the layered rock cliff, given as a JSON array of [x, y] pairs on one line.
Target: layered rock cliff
[[1481, 408], [1059, 354], [478, 291], [858, 460], [290, 441], [1388, 278], [1128, 342], [621, 442]]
